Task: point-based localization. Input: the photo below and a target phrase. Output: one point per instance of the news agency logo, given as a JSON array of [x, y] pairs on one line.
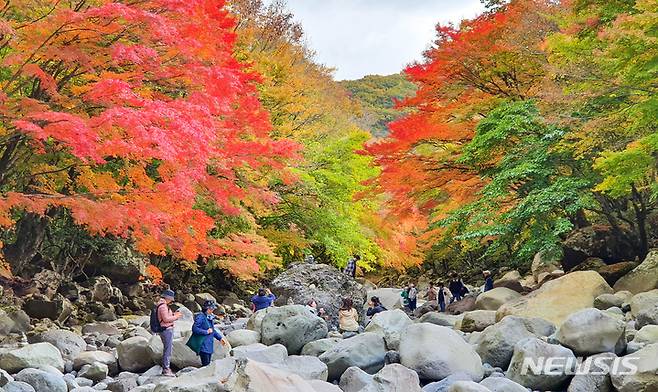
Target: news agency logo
[[573, 366]]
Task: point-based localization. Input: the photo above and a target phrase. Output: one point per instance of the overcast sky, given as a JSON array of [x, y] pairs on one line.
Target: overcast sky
[[361, 37]]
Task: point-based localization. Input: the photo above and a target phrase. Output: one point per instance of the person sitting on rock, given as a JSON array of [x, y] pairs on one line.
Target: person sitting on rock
[[348, 317], [443, 296], [312, 306], [488, 281], [204, 330], [375, 307], [262, 300], [166, 318]]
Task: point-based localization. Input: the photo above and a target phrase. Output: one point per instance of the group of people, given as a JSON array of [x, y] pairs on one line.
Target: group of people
[[203, 329], [443, 295]]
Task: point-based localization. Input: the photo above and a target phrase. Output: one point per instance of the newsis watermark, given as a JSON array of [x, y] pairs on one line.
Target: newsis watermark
[[573, 366]]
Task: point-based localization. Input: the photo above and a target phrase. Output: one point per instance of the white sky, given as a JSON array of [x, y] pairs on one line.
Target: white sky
[[361, 37]]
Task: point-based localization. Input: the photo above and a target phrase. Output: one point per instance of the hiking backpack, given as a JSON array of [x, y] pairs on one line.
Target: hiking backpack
[[156, 327]]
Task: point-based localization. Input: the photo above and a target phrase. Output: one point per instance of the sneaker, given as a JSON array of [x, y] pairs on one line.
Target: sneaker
[[168, 373]]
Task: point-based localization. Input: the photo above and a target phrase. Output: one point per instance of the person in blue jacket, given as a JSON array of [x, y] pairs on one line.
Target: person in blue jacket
[[204, 325], [488, 281], [262, 300]]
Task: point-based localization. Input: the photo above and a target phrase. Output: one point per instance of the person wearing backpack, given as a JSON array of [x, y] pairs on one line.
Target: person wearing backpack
[[204, 333], [162, 323]]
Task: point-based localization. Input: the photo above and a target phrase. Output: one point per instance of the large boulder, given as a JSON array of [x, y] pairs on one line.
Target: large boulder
[[606, 301], [442, 319], [494, 299], [394, 377], [18, 386], [366, 351], [643, 278], [42, 381], [320, 282], [435, 352], [181, 355], [134, 354], [645, 379], [644, 307], [31, 356], [242, 375], [292, 326], [596, 378], [390, 325], [595, 241], [467, 386], [502, 384], [477, 320], [526, 366], [68, 343], [91, 357], [645, 336], [559, 298], [57, 309], [466, 304], [496, 343], [119, 262], [14, 320], [275, 353], [318, 347], [390, 297], [592, 331], [307, 367], [243, 337], [511, 280]]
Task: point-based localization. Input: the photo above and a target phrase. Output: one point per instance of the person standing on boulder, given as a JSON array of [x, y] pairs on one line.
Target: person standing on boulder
[[412, 296], [204, 332], [488, 281], [457, 288], [350, 268], [166, 318], [262, 300], [444, 296], [431, 293]]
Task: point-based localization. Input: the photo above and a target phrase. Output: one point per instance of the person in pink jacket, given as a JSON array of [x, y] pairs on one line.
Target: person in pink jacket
[[167, 318]]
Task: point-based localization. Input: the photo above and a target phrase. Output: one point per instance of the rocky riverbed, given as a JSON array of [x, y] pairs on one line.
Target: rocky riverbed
[[498, 341]]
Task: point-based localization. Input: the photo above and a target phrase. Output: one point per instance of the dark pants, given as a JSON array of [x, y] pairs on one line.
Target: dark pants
[[442, 307], [412, 304], [167, 337], [457, 297], [205, 358]]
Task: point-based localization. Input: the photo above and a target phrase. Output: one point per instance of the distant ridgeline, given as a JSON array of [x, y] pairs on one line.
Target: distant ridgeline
[[377, 94]]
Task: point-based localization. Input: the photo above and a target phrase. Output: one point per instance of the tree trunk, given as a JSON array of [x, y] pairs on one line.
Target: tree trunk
[[30, 233]]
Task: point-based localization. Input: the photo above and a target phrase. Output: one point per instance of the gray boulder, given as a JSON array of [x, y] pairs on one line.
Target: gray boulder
[[435, 352], [31, 356], [68, 343], [366, 351], [592, 331], [318, 347], [467, 386], [321, 282], [275, 353], [389, 324], [95, 372], [496, 343], [42, 381], [605, 301], [442, 319], [477, 320], [446, 383], [645, 379], [533, 351], [292, 326], [18, 386], [393, 377], [134, 354], [243, 337], [91, 357], [597, 378], [643, 278], [502, 384], [494, 299]]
